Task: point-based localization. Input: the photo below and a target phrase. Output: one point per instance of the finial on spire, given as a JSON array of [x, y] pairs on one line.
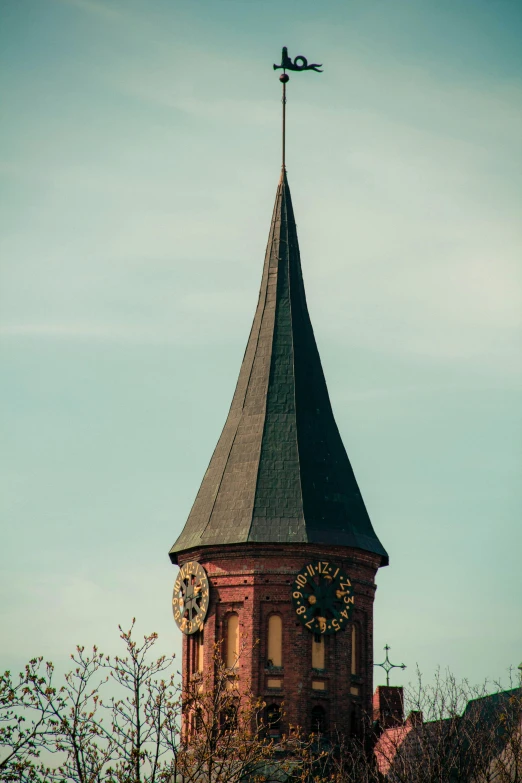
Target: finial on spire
[[300, 63], [388, 666]]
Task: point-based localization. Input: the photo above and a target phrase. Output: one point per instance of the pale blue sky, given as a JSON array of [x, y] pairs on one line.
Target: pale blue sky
[[139, 156]]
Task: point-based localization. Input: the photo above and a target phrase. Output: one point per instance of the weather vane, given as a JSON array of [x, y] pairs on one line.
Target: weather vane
[[388, 666], [300, 63]]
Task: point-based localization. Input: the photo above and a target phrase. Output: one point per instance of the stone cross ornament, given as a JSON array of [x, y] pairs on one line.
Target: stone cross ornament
[[387, 665]]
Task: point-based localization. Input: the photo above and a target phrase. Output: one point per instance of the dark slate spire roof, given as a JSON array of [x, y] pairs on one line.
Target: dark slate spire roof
[[280, 472]]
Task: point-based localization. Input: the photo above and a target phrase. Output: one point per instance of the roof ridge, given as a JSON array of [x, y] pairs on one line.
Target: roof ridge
[[300, 478]]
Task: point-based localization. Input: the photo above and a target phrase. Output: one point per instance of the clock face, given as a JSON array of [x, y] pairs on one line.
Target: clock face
[[323, 597], [190, 598]]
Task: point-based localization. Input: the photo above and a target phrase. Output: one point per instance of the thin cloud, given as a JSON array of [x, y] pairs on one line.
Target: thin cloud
[[92, 7], [175, 333], [76, 331], [415, 390]]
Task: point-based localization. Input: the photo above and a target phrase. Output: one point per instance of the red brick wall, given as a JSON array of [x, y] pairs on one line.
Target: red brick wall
[[254, 581]]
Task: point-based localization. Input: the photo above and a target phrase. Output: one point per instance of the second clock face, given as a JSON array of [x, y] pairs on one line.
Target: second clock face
[[323, 597], [190, 598]]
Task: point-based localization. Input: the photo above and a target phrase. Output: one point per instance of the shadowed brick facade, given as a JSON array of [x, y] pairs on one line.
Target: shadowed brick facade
[[280, 492]]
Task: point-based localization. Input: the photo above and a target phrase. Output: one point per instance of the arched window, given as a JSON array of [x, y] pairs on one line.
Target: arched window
[[318, 651], [275, 641], [273, 720], [318, 720], [232, 646], [355, 650]]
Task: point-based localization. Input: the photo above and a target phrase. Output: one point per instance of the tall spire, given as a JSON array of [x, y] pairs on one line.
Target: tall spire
[[280, 472]]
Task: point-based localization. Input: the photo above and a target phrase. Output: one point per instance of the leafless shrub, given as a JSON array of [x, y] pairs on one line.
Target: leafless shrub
[[127, 720], [455, 733]]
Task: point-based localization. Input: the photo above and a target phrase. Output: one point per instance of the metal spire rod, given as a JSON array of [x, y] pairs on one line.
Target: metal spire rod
[[300, 63], [284, 78], [388, 666]]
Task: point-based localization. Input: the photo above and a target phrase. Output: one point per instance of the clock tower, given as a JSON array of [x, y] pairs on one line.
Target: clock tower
[[278, 556]]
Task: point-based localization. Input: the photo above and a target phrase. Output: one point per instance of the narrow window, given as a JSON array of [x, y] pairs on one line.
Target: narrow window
[[318, 720], [275, 641], [232, 651], [273, 720], [355, 642], [318, 651], [355, 721], [200, 651], [192, 654]]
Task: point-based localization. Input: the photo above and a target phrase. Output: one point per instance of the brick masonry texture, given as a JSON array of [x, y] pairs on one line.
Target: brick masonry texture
[[255, 581]]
